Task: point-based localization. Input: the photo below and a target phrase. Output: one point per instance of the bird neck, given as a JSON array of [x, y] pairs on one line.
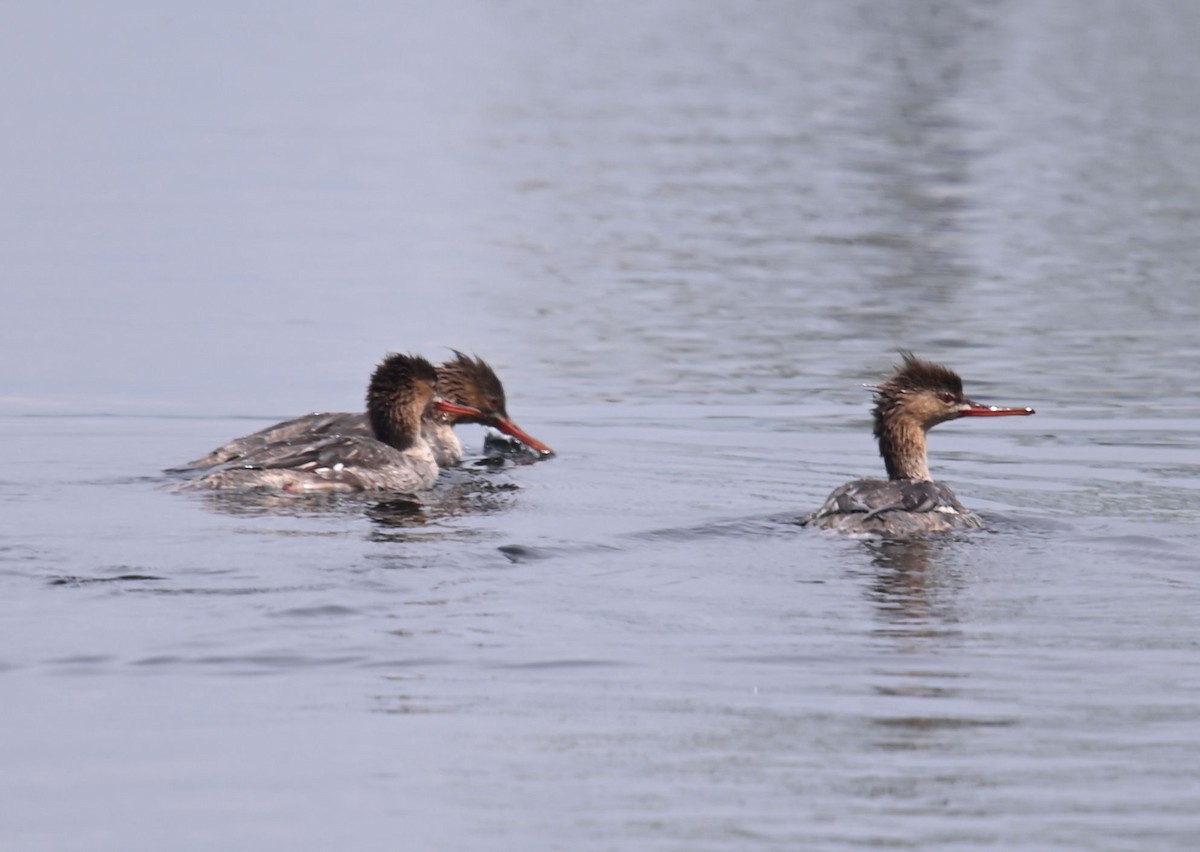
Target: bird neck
[[902, 445], [391, 424]]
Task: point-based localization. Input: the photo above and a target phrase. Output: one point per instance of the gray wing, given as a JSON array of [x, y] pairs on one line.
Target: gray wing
[[335, 463], [300, 431], [874, 497]]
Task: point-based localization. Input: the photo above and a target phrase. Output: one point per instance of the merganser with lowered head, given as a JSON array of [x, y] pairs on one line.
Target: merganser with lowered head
[[395, 457], [912, 401], [465, 381], [471, 383]]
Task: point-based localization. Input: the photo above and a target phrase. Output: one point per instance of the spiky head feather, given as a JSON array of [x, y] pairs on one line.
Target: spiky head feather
[[470, 381]]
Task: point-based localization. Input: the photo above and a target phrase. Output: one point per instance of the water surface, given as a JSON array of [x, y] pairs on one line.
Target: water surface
[[685, 235]]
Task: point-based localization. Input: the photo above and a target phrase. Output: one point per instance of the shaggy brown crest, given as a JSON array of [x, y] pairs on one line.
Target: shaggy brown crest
[[396, 382], [918, 375], [913, 376]]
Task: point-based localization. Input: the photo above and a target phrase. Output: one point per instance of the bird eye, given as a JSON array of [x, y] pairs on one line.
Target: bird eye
[[947, 398]]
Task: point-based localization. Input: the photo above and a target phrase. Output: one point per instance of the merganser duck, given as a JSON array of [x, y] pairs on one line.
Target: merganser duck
[[395, 457], [471, 383], [916, 398], [468, 382]]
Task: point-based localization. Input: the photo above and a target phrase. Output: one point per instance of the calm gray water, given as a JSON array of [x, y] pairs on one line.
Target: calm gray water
[[685, 234]]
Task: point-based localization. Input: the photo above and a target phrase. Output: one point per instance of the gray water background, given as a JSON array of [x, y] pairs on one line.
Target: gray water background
[[685, 234]]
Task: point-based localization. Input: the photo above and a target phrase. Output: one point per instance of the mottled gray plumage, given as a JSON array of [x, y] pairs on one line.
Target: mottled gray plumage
[[330, 452], [914, 399], [299, 430], [893, 507]]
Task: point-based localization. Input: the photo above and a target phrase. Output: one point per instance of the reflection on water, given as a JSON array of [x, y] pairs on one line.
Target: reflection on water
[[914, 583], [470, 489], [427, 519], [118, 578], [398, 513]]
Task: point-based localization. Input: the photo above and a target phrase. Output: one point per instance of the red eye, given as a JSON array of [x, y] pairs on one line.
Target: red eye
[[947, 398]]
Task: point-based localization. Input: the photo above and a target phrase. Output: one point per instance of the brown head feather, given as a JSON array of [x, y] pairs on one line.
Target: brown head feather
[[470, 381], [401, 388], [917, 375], [914, 376]]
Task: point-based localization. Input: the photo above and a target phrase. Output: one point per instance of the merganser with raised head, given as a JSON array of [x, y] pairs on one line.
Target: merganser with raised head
[[468, 382], [916, 398], [395, 457]]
